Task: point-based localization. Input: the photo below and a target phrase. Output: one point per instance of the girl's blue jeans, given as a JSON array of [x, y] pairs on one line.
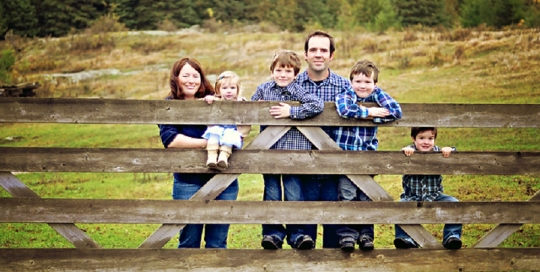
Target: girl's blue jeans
[[215, 235]]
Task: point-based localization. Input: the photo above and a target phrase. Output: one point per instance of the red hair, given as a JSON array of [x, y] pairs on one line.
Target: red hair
[[176, 92]]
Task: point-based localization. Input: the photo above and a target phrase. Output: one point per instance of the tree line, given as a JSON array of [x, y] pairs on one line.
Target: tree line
[[55, 18]]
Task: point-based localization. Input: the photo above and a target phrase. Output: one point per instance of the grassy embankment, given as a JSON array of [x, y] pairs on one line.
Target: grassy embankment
[[462, 66]]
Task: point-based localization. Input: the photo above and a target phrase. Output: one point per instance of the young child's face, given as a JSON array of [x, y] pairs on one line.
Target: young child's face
[[363, 85], [425, 140], [228, 90], [283, 76]]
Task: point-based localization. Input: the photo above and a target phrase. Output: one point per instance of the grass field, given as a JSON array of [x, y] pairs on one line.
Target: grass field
[[423, 66]]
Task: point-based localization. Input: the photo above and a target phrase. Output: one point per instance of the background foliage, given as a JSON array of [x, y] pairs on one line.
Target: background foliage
[[58, 18]]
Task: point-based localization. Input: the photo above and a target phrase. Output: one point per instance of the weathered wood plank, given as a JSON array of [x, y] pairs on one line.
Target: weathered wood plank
[[503, 259], [69, 231], [213, 188], [368, 185], [502, 231], [121, 111], [260, 212], [250, 160]]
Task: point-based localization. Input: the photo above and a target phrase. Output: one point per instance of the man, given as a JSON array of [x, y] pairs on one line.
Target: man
[[318, 79]]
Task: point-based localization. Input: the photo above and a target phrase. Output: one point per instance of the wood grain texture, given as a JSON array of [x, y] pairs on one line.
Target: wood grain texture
[[240, 260], [259, 212], [69, 231], [121, 111], [255, 161], [502, 231]]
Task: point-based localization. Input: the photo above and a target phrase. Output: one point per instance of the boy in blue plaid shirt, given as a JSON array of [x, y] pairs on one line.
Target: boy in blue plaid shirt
[[426, 188], [285, 67], [364, 76]]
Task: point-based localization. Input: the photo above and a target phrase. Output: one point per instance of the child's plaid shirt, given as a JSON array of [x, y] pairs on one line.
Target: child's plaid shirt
[[310, 106], [422, 187], [362, 138]]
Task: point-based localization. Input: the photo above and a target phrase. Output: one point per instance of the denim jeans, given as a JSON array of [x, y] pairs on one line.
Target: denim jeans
[[215, 235], [293, 192], [449, 230], [322, 188], [349, 192]]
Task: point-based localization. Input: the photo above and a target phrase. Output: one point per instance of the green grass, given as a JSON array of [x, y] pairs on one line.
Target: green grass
[[492, 70]]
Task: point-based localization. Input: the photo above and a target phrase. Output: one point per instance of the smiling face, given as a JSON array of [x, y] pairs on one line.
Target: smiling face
[[363, 85], [283, 75], [425, 140], [189, 80], [318, 56]]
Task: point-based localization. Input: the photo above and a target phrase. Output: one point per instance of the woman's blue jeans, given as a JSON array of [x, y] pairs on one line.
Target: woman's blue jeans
[[215, 235], [449, 230]]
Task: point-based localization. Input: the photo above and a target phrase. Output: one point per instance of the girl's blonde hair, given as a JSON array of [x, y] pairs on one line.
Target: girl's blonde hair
[[228, 77]]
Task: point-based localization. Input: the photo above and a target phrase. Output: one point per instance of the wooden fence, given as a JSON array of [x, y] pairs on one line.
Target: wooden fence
[[62, 214]]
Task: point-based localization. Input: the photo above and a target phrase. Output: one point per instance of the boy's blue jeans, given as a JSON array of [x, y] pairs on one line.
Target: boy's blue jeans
[[293, 192], [347, 191], [215, 235], [449, 230]]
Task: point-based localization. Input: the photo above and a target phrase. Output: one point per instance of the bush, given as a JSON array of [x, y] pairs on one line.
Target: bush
[[7, 60]]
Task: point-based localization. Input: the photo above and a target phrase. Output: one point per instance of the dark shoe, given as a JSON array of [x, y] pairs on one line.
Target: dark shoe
[[452, 243], [365, 243], [404, 243], [271, 242], [304, 242], [347, 244]]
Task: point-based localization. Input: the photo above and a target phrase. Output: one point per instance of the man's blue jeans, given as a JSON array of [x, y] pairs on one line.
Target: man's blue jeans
[[322, 188], [450, 230], [215, 235], [273, 192]]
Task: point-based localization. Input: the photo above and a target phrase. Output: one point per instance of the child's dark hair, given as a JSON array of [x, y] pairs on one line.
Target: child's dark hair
[[416, 130], [286, 58], [365, 67]]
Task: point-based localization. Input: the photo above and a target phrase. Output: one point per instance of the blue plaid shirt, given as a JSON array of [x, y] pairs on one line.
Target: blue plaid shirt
[[310, 106], [362, 138], [325, 90], [422, 187]]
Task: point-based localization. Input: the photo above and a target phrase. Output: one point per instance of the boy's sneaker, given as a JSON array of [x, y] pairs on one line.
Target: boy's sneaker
[[365, 242], [347, 244], [452, 243], [304, 242], [404, 243], [271, 242]]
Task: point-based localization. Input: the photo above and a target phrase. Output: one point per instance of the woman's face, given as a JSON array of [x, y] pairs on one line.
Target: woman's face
[[189, 80]]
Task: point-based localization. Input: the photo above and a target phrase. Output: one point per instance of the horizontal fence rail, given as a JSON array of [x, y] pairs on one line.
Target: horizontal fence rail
[[26, 206], [115, 160], [39, 210], [503, 259], [117, 111]]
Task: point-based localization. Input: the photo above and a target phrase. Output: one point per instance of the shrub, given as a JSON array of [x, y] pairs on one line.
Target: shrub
[[7, 60]]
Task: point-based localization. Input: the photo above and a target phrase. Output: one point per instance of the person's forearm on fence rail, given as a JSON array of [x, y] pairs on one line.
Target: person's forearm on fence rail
[[183, 141]]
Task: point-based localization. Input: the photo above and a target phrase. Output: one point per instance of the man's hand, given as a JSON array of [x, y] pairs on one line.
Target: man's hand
[[281, 111]]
